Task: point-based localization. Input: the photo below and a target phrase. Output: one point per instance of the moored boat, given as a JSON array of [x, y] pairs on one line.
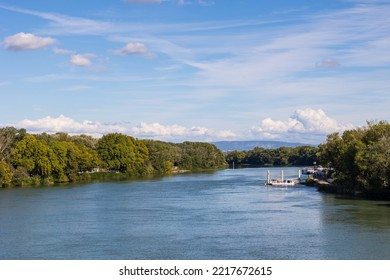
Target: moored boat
[[279, 182], [282, 181]]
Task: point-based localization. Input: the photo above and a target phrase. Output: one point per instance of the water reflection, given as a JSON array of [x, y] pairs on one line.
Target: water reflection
[[364, 213], [355, 229]]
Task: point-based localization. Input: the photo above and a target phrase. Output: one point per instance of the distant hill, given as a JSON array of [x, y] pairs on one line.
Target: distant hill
[[250, 145]]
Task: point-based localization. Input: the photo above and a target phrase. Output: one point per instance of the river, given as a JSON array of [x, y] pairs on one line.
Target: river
[[227, 214]]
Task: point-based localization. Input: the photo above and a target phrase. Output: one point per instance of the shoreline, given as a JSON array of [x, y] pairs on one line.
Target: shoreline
[[324, 186], [93, 177]]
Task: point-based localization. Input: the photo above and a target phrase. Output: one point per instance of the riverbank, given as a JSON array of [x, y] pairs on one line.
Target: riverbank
[[331, 186], [88, 177], [94, 177]]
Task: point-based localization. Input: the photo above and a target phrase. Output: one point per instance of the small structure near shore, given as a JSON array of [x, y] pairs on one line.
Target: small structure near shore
[[318, 171], [282, 181]]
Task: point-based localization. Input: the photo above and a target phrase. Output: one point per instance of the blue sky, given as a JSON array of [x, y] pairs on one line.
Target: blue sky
[[201, 70]]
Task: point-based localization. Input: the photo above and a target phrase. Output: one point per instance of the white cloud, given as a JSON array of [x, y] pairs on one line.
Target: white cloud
[[82, 60], [27, 41], [316, 121], [305, 125], [155, 131], [303, 122], [134, 49], [179, 133], [270, 126], [64, 124]]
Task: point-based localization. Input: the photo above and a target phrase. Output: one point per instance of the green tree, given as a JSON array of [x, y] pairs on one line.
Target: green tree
[[9, 136], [235, 157], [87, 158], [197, 155], [5, 174], [259, 156], [123, 153], [283, 156], [329, 151], [168, 168], [73, 159], [163, 156], [36, 156], [86, 140], [361, 157], [374, 165], [303, 155]]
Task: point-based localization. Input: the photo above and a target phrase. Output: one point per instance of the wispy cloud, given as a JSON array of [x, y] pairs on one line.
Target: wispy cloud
[[70, 25], [60, 51], [64, 23], [345, 37]]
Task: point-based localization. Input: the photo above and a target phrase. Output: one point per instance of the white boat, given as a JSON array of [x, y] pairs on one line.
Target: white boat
[[281, 181]]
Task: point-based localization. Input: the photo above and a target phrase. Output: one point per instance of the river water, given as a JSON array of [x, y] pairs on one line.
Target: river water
[[228, 214]]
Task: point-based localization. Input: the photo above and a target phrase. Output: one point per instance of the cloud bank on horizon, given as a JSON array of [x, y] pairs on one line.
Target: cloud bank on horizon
[[303, 124], [195, 69]]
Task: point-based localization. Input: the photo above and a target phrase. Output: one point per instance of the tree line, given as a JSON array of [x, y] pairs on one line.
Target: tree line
[[283, 156], [361, 159], [34, 159]]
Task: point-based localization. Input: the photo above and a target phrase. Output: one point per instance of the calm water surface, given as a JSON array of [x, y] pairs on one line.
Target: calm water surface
[[228, 214]]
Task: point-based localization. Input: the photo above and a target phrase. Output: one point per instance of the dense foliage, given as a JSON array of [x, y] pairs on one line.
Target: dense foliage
[[361, 157], [27, 159], [298, 156], [188, 155], [123, 153]]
